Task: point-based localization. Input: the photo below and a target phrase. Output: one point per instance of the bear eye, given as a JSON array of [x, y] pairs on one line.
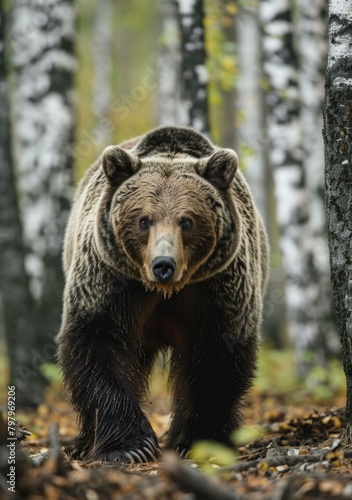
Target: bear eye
[[186, 223], [144, 223]]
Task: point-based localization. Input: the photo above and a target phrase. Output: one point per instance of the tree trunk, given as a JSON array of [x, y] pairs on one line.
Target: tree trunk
[[252, 144], [194, 93], [228, 95], [16, 302], [338, 177], [102, 38], [249, 105], [42, 52], [282, 99], [170, 110], [311, 24]]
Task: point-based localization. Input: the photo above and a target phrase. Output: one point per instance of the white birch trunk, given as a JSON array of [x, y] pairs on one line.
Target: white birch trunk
[[311, 29], [102, 41], [17, 311], [170, 110], [42, 52], [194, 93], [280, 67], [338, 178], [249, 105], [252, 143]]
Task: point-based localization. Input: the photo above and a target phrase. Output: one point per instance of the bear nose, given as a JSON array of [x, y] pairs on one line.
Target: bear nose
[[163, 268]]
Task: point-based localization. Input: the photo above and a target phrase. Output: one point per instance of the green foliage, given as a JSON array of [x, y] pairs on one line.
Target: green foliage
[[253, 4], [84, 156], [52, 372], [222, 63], [132, 62], [245, 435], [276, 370], [275, 259], [209, 455], [4, 371], [246, 152], [323, 383]]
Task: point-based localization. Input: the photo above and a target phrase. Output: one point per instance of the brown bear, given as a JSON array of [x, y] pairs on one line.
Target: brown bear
[[164, 249]]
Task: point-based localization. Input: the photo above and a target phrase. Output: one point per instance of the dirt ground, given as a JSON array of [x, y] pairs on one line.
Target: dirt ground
[[289, 448]]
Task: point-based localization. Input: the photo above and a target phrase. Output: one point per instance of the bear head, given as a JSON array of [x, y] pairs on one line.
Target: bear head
[[169, 205]]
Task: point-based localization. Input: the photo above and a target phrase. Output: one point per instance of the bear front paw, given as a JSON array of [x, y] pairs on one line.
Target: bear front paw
[[138, 451], [77, 449], [182, 446], [182, 450]]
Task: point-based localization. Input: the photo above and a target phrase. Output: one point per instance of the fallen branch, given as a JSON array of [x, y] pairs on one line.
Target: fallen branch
[[56, 463], [194, 481], [289, 460]]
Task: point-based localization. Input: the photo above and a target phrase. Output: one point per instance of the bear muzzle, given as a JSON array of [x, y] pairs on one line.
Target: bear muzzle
[[163, 268]]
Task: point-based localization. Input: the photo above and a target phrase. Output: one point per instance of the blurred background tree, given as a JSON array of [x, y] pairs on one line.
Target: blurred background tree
[[249, 73], [38, 40], [16, 301]]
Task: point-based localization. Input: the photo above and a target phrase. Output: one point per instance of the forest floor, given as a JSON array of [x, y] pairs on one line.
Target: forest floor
[[289, 448]]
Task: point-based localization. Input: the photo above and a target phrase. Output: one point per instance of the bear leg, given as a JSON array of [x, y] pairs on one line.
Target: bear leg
[[106, 381], [209, 382]]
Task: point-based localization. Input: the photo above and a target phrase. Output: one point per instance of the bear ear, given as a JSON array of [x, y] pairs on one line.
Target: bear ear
[[219, 168], [119, 164]]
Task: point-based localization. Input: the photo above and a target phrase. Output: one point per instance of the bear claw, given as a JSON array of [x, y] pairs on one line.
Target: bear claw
[[136, 456], [128, 455], [141, 452], [182, 452], [140, 456], [150, 445], [150, 453]]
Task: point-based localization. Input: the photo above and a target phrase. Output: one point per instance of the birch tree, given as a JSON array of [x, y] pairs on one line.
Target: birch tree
[[311, 29], [42, 35], [252, 143], [16, 302], [249, 103], [102, 40], [338, 177], [194, 74], [282, 99], [170, 110], [227, 123]]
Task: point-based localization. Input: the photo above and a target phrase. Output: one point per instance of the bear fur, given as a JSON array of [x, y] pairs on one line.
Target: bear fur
[[164, 249]]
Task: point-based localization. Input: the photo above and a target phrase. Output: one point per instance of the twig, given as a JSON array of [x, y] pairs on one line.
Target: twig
[[56, 462], [39, 459], [194, 481], [45, 441], [289, 460]]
